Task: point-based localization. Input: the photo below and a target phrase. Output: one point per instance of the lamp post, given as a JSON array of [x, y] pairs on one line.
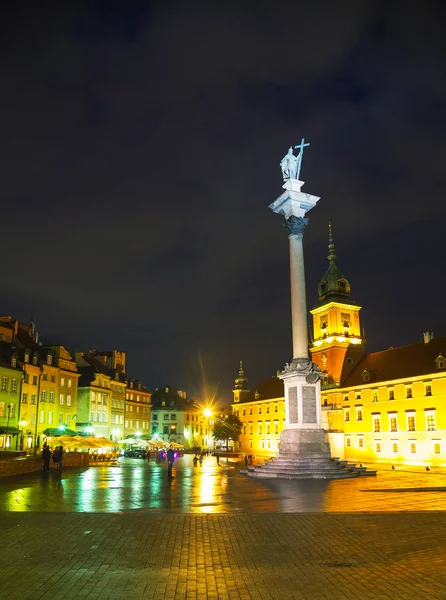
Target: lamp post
[[7, 424], [208, 414], [22, 425]]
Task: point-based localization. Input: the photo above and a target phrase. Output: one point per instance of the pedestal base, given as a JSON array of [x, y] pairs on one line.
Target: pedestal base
[[304, 443]]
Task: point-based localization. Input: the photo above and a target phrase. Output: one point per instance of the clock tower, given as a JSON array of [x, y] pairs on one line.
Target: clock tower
[[338, 344]]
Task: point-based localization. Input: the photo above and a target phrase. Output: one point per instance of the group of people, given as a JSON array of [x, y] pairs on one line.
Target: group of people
[[55, 455]]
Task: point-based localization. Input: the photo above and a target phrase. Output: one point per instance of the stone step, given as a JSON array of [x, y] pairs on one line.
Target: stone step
[[304, 475]]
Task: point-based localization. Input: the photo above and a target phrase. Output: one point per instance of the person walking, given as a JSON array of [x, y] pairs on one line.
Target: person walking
[[61, 453], [46, 455], [170, 459], [56, 457]]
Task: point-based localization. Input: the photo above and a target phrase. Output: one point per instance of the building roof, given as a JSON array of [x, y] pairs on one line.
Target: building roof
[[171, 397], [404, 362], [269, 389]]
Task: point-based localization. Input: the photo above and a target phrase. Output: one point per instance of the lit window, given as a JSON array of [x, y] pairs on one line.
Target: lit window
[[428, 389], [13, 362], [347, 415], [361, 442], [376, 424], [359, 414], [377, 447], [24, 398], [14, 385], [393, 424], [348, 442], [408, 392], [430, 421], [437, 446], [61, 399], [62, 381], [410, 422], [391, 394], [375, 396], [395, 447], [413, 447]]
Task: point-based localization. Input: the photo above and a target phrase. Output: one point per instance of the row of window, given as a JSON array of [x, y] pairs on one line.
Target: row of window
[[391, 393], [268, 429], [48, 417], [129, 424], [259, 410], [9, 385], [7, 407], [168, 429], [145, 409], [430, 420], [395, 445]]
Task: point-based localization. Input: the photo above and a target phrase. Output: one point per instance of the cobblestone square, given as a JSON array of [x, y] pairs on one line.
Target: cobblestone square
[[248, 541]]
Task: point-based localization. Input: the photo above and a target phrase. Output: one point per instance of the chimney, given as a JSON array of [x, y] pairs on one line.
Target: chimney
[[428, 337]]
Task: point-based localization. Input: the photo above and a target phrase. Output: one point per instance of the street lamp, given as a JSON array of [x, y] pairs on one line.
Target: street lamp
[[22, 425], [208, 414], [173, 429], [7, 424]]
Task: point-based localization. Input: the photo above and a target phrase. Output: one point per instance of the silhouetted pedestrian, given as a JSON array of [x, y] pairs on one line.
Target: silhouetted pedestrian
[[46, 455], [170, 459], [61, 453], [56, 457]]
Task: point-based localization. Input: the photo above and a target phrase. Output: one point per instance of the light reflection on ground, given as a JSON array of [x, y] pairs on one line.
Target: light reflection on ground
[[136, 485]]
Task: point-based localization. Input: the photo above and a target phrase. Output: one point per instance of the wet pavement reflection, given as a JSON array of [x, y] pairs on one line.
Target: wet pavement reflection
[[137, 485]]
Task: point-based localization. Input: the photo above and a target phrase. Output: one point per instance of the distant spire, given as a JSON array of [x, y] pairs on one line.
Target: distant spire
[[331, 248], [241, 381]]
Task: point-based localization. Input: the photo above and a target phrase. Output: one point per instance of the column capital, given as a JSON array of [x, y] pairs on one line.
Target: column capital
[[295, 225]]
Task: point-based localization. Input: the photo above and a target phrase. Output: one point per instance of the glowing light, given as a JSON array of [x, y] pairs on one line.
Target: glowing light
[[89, 429], [138, 434], [62, 427], [318, 343], [23, 423], [207, 412]]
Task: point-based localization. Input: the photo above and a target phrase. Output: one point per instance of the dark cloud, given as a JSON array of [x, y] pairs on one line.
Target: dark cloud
[[139, 153]]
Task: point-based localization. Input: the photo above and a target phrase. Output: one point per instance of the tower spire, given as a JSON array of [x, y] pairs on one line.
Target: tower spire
[[331, 248], [333, 285], [241, 381]]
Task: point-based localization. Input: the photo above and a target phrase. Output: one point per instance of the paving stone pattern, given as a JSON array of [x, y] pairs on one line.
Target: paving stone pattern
[[307, 556]]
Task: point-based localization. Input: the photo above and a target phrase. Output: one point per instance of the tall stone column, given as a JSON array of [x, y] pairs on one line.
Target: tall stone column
[[295, 227], [303, 436]]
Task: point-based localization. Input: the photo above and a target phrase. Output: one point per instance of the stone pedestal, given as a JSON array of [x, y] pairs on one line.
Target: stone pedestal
[[304, 443]]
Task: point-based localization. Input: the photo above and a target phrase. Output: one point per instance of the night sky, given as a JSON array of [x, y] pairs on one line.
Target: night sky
[[140, 147]]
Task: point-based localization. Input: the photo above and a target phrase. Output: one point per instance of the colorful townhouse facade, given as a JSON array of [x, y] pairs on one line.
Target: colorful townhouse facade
[[137, 409]]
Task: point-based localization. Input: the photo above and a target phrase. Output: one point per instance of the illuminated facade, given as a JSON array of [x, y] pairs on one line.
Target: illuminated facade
[[387, 406], [10, 391], [137, 409], [175, 418]]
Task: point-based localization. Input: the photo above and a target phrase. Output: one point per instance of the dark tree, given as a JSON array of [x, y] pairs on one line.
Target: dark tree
[[227, 426]]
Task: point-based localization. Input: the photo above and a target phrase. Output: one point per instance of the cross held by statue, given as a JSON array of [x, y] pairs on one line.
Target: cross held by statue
[[301, 147]]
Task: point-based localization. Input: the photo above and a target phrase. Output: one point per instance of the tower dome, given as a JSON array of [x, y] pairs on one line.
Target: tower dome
[[333, 285]]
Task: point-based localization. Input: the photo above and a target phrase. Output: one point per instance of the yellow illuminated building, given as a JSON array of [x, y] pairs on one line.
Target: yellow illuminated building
[[387, 406], [137, 409], [262, 413]]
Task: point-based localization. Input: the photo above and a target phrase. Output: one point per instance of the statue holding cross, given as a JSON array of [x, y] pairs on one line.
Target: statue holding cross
[[291, 164]]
